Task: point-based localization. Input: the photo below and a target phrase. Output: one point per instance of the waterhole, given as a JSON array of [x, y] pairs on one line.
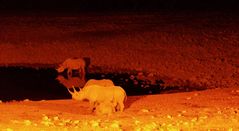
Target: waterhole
[[20, 83]]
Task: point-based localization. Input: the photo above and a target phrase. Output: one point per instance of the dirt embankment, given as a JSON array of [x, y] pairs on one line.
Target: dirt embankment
[[189, 50]]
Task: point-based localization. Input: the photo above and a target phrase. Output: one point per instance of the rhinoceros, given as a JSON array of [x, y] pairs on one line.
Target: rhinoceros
[[97, 94], [76, 64], [105, 108]]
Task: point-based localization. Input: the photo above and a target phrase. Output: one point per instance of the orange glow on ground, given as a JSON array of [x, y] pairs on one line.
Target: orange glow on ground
[[215, 109]]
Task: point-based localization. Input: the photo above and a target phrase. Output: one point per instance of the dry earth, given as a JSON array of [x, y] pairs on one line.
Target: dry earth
[[214, 109]]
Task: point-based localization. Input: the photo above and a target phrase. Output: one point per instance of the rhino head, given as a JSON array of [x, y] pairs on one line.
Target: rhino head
[[76, 95]]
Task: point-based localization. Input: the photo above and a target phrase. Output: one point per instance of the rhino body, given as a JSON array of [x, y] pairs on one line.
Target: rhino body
[[96, 95], [73, 64], [102, 82]]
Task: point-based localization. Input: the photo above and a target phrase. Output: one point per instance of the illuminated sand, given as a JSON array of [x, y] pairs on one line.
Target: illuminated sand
[[211, 109]]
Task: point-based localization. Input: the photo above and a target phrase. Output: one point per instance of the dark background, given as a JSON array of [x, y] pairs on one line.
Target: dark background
[[116, 5]]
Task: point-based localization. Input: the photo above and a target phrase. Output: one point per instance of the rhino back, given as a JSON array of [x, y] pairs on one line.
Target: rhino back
[[103, 82], [119, 93], [74, 63]]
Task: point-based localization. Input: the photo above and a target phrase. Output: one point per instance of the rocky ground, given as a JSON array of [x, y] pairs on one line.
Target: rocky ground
[[214, 109]]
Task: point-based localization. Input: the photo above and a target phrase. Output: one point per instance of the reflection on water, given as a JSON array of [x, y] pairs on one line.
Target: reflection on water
[[72, 72], [71, 81]]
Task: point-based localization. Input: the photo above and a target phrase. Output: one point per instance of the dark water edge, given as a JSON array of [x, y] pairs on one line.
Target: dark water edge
[[19, 83]]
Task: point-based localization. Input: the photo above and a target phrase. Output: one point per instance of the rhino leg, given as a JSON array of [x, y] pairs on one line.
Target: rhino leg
[[114, 104], [120, 106], [93, 105]]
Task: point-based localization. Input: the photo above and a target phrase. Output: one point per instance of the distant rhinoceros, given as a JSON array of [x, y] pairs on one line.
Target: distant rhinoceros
[[73, 64], [97, 94]]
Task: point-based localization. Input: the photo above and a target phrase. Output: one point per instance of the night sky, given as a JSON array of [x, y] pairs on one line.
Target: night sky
[[116, 5]]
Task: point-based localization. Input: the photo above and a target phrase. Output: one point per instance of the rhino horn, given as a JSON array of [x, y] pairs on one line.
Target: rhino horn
[[74, 91]]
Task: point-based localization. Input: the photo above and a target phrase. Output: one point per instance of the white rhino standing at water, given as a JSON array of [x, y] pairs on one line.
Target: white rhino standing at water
[[97, 95], [77, 64]]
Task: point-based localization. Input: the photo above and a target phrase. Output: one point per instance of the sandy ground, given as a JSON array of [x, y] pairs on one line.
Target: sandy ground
[[216, 109], [192, 49]]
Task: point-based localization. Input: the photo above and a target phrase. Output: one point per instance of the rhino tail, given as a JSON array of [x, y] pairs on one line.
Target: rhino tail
[[125, 98]]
